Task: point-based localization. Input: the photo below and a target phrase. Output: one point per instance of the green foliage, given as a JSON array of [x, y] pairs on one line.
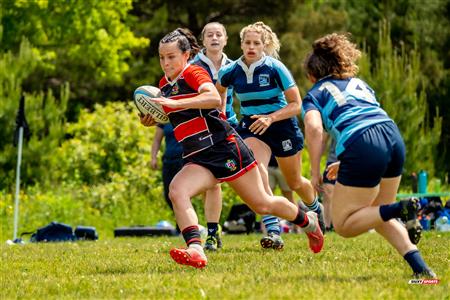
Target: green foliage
[[45, 116], [86, 43], [365, 267], [99, 176], [397, 80]]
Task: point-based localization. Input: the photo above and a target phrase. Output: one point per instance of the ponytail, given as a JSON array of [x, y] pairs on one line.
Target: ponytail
[[186, 41]]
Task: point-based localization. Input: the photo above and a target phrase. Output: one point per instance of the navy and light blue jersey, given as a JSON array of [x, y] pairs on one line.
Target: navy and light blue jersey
[[348, 107], [259, 87], [203, 61], [173, 150]]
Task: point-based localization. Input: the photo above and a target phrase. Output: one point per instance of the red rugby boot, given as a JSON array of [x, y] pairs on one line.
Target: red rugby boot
[[189, 257], [314, 233]]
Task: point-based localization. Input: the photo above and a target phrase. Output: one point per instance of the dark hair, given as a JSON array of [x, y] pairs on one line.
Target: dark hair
[[186, 41], [333, 55]]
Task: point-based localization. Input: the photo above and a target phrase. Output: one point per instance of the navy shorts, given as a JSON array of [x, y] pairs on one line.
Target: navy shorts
[[227, 160], [283, 137], [378, 153]]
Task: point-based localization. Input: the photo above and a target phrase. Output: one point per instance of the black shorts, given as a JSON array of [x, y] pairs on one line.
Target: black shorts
[[283, 137], [227, 160]]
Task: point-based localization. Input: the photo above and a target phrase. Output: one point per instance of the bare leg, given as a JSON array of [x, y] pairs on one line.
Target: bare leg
[[394, 232], [190, 181], [352, 213], [327, 194], [291, 167], [262, 154], [250, 188], [213, 204], [289, 195]]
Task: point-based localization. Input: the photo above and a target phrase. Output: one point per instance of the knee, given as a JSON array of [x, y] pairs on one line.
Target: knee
[[262, 210], [343, 230], [295, 183], [175, 194]]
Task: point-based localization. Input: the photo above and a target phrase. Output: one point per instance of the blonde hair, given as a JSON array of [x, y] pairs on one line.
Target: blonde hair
[[333, 55], [268, 37]]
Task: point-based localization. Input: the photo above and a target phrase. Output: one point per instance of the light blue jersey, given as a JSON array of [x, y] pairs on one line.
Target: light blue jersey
[[259, 87], [203, 61], [348, 107]]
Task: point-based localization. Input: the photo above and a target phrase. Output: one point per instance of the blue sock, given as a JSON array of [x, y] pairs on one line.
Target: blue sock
[[314, 206], [415, 261], [390, 211], [272, 224]]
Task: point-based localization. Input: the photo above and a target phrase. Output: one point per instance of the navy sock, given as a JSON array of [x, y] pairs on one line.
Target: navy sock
[[272, 224], [191, 235], [390, 211], [301, 219], [212, 228], [415, 261], [315, 207]]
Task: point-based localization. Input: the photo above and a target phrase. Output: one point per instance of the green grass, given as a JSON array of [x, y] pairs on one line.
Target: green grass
[[365, 267]]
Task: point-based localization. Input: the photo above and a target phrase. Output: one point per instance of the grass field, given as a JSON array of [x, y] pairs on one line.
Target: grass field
[[140, 268]]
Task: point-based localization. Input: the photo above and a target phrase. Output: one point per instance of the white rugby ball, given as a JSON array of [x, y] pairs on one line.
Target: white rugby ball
[[143, 98]]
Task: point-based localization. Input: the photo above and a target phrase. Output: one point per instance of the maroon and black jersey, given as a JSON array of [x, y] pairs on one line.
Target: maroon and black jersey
[[195, 129]]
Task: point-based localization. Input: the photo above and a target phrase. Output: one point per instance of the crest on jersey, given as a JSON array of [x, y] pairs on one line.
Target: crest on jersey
[[231, 165], [264, 79], [287, 145], [175, 89]]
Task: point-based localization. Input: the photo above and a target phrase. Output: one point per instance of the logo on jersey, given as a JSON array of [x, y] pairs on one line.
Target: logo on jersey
[[287, 145], [175, 89], [264, 80], [231, 165]]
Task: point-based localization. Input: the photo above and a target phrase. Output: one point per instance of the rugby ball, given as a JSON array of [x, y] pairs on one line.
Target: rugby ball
[[143, 98]]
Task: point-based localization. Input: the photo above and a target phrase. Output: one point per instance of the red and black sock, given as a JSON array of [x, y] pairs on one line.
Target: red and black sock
[[301, 219], [191, 235]]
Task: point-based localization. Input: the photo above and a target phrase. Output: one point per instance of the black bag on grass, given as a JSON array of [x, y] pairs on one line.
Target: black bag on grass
[[53, 232], [60, 232]]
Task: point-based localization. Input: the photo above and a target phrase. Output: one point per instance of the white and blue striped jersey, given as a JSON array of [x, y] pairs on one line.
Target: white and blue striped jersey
[[259, 87], [203, 61], [348, 107]]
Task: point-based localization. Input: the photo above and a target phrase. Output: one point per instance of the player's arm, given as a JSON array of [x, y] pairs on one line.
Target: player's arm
[[313, 137], [156, 145], [223, 96], [207, 98], [293, 107]]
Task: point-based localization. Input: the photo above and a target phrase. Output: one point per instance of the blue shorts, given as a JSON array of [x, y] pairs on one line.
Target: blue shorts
[[378, 153], [283, 137]]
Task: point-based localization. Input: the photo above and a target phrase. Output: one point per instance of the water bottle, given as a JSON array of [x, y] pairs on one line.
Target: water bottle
[[423, 182], [442, 224]]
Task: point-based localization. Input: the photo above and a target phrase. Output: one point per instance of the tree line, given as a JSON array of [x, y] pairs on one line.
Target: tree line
[[72, 57]]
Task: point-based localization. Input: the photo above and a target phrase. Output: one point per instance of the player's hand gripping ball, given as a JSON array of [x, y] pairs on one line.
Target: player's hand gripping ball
[[143, 98]]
